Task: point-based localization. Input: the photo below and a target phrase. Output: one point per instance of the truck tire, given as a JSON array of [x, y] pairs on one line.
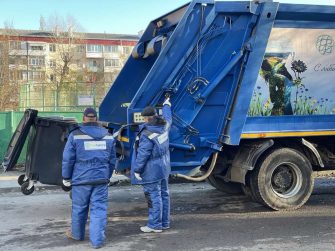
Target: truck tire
[[283, 179], [249, 189], [246, 190], [223, 186]]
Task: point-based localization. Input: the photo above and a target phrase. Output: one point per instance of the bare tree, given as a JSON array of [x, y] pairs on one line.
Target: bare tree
[[9, 73], [67, 40], [42, 23]]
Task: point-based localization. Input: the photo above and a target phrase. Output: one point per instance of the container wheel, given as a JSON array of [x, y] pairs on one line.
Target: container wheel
[[282, 180], [25, 189], [21, 179], [223, 186]]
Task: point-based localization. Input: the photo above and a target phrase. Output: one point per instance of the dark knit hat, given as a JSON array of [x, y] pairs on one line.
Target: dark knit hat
[[148, 111], [90, 112]]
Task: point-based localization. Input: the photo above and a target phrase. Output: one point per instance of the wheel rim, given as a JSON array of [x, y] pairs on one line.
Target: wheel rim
[[286, 180]]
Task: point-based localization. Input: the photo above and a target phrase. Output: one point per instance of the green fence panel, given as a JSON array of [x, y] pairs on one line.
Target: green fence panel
[[5, 131]]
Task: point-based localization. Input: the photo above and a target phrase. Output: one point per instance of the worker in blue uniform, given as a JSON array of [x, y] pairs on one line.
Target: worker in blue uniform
[[89, 159], [151, 166]]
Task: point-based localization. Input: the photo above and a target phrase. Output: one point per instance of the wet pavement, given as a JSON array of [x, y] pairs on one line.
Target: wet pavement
[[202, 219]]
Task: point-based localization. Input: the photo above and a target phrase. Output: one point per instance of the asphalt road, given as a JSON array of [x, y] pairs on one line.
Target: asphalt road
[[202, 219]]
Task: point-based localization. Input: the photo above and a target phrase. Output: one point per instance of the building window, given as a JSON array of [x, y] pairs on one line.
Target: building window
[[24, 45], [21, 60], [52, 77], [94, 48], [52, 47], [37, 47], [17, 60], [36, 75], [24, 75], [111, 48], [33, 75], [52, 63], [92, 63], [112, 62], [15, 75], [15, 45], [80, 48], [126, 50], [108, 62], [36, 61], [115, 62], [12, 60]]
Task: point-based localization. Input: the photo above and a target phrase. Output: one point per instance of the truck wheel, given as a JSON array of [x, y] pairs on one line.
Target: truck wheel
[[21, 179], [25, 190], [223, 186], [283, 179]]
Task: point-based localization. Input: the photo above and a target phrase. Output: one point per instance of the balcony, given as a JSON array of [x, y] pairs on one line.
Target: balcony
[[94, 68], [29, 52], [94, 55]]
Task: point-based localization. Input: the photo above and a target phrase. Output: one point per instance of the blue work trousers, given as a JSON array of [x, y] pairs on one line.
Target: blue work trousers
[[95, 198], [158, 198]]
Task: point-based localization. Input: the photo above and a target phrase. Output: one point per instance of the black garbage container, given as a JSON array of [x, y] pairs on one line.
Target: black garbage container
[[47, 140]]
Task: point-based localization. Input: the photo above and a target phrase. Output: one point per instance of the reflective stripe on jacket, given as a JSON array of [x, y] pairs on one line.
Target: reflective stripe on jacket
[[89, 155]]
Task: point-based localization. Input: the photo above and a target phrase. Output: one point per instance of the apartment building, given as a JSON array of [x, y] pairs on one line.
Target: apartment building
[[35, 52], [39, 60]]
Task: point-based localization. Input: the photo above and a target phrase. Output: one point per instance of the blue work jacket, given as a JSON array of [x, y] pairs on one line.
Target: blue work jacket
[[89, 155], [151, 158]]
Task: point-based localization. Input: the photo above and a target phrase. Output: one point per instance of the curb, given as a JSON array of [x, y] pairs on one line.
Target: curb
[[37, 188], [43, 187], [8, 178], [118, 181]]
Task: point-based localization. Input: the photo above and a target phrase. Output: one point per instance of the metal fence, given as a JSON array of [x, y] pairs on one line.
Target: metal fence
[[10, 120], [68, 97]]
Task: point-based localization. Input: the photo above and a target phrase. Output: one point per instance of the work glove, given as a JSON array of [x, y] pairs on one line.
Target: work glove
[[167, 102], [67, 183], [137, 176], [66, 186]]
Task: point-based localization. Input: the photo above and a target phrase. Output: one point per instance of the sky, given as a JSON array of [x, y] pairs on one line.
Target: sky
[[99, 16]]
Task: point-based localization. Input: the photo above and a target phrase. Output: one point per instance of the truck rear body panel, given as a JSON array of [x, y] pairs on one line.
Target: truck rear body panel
[[209, 57]]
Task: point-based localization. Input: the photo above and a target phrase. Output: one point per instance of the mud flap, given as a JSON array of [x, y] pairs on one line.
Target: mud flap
[[246, 159]]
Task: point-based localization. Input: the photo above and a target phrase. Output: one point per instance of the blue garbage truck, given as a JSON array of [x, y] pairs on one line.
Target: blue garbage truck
[[252, 93], [252, 90]]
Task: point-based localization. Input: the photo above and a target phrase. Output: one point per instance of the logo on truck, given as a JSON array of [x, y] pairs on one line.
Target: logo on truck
[[325, 44]]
